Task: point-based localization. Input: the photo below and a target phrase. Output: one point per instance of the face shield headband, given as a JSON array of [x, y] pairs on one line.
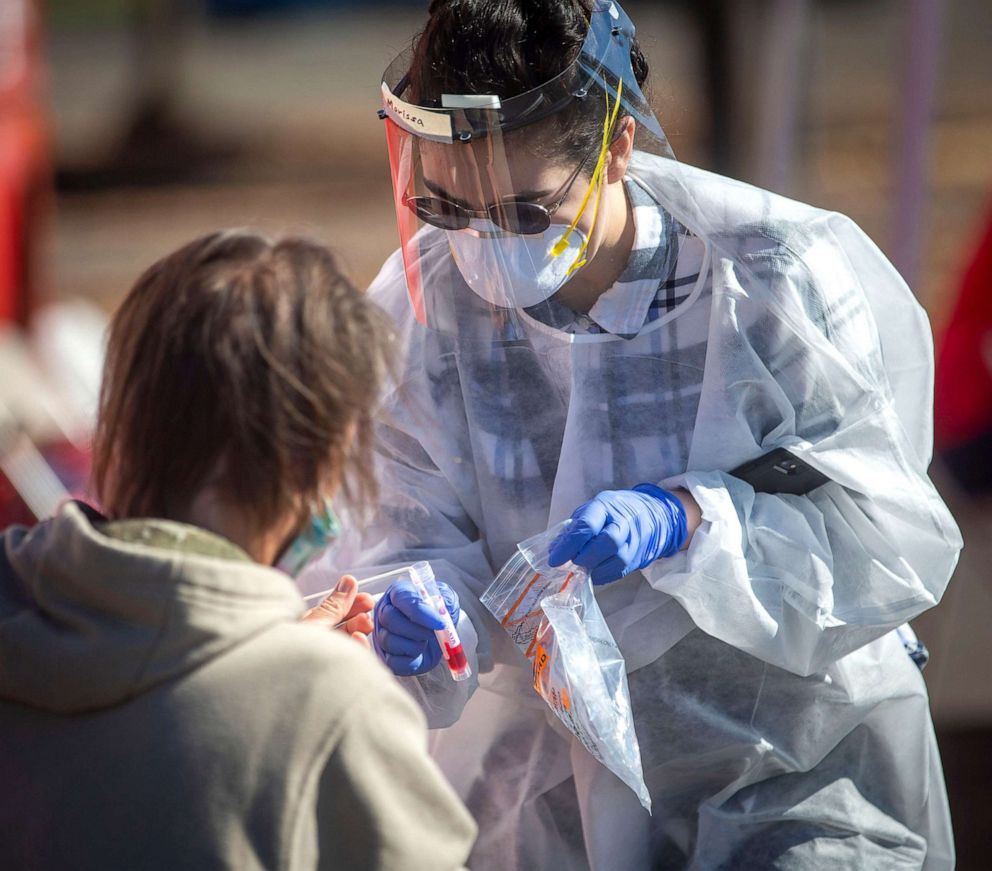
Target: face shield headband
[[603, 62]]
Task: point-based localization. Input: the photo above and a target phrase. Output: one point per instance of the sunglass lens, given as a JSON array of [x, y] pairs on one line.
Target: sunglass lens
[[439, 213], [527, 219]]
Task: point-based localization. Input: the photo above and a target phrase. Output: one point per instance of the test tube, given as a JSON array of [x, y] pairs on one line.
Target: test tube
[[362, 582], [422, 576]]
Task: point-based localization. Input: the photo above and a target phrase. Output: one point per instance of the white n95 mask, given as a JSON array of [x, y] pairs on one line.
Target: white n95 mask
[[514, 271]]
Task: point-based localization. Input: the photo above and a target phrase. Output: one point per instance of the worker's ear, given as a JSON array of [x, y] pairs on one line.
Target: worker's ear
[[620, 151]]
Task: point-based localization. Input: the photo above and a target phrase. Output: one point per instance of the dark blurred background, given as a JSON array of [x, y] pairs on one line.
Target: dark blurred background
[[129, 126]]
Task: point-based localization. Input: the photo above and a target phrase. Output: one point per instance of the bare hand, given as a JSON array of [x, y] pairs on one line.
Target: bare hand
[[345, 609]]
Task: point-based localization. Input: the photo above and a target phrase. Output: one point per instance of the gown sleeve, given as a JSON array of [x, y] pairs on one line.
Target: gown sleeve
[[816, 345]]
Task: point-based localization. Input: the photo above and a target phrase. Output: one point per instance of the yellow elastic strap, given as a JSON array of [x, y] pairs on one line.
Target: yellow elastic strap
[[596, 182], [580, 259]]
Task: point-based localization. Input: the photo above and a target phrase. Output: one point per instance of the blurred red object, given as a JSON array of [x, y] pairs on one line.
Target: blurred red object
[[70, 466], [963, 392], [13, 510], [25, 158]]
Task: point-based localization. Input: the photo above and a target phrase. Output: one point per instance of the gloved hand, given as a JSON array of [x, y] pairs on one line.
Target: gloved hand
[[404, 628], [621, 531]]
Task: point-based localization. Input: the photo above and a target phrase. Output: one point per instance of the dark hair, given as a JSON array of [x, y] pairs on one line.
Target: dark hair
[[244, 363], [508, 47]]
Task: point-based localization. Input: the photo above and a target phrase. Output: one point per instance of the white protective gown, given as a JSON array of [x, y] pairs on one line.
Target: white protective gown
[[781, 723]]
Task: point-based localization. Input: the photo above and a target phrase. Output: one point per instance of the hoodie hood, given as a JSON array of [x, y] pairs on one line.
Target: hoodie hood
[[89, 619]]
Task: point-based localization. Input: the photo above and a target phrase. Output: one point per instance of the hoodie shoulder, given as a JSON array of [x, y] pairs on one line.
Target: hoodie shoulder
[[14, 587], [328, 662]]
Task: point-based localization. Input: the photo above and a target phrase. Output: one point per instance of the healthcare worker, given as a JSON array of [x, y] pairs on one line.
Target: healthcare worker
[[589, 328]]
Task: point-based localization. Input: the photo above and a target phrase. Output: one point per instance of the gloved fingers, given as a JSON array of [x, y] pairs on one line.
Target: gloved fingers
[[627, 552], [619, 528], [432, 656], [450, 601], [395, 622], [587, 522], [605, 545], [611, 570], [403, 666], [405, 598], [397, 645]]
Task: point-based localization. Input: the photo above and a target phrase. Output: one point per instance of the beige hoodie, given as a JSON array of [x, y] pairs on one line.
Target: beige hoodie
[[161, 707]]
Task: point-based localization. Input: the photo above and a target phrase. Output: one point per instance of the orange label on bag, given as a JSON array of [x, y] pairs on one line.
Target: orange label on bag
[[540, 661]]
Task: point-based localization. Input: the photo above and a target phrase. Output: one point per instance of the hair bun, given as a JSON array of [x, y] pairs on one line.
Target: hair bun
[[436, 6], [638, 63]]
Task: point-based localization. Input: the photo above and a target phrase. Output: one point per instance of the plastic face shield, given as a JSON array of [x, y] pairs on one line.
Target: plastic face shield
[[491, 225]]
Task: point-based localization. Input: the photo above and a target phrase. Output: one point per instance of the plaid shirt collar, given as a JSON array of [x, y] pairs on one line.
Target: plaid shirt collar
[[641, 292]]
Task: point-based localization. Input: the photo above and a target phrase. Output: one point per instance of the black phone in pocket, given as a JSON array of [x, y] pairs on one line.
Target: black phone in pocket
[[780, 471]]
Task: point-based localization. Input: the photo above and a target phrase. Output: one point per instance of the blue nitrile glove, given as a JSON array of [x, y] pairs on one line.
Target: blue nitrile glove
[[404, 628], [621, 531]]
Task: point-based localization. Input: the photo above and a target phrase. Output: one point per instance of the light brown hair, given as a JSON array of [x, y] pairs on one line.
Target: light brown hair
[[250, 365]]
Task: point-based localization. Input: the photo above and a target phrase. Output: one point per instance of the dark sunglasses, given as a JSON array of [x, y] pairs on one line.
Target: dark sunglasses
[[515, 216]]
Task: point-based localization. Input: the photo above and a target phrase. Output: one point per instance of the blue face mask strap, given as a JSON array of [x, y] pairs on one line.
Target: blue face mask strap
[[322, 529]]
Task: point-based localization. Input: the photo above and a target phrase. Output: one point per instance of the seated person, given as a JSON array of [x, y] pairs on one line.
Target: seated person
[[161, 703]]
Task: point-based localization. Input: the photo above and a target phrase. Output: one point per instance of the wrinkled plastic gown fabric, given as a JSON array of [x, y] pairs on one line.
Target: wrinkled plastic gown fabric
[[780, 722]]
